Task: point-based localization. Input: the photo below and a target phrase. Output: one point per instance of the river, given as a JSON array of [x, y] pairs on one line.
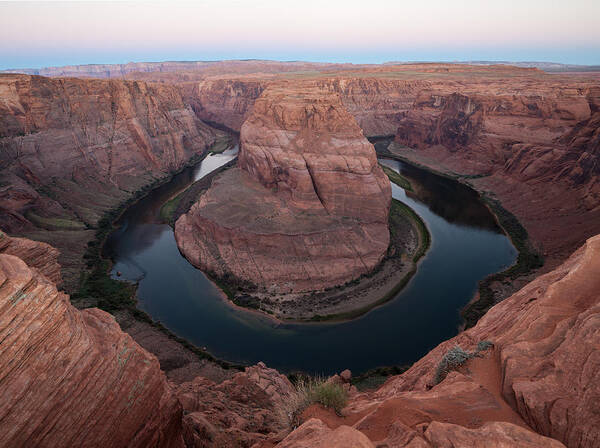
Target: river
[[466, 247]]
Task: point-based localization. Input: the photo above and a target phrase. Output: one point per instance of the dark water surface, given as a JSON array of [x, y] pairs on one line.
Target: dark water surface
[[466, 247]]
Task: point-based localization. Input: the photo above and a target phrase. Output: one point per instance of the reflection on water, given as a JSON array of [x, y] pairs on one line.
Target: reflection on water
[[452, 200], [466, 247]]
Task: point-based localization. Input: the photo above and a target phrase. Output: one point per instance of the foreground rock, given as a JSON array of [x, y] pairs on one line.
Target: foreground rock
[[72, 378], [306, 208], [540, 375], [252, 407]]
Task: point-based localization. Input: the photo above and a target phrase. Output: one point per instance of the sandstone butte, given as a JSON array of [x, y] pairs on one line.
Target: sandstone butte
[[528, 138], [73, 378], [307, 205]]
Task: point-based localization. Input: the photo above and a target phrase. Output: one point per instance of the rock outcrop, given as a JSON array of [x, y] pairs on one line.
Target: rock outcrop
[[539, 377], [35, 254], [531, 135], [250, 408], [73, 378], [307, 206]]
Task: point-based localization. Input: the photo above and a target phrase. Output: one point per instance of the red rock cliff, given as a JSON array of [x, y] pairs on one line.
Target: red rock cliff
[[538, 152], [72, 149], [306, 209], [73, 378]]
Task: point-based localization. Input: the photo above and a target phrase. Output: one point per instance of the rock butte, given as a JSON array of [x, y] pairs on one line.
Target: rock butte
[[72, 377], [306, 208]]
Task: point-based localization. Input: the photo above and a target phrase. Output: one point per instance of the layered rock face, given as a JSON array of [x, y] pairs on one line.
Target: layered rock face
[[541, 375], [376, 104], [35, 254], [539, 154], [532, 135], [306, 209], [72, 149], [70, 146], [302, 143], [73, 378], [224, 101]]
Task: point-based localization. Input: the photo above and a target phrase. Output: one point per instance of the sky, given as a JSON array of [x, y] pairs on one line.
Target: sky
[[41, 34]]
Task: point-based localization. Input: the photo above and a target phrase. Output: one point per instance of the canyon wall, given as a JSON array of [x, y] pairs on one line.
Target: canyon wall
[[72, 149], [538, 153], [528, 138], [72, 378], [376, 104], [307, 206]]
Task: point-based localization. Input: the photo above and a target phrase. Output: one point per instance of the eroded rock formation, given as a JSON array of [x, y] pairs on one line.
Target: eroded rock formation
[[538, 152], [73, 378], [307, 206], [252, 407]]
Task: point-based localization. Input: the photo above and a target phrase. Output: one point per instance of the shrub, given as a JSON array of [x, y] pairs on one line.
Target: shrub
[[453, 359], [484, 345], [310, 390], [456, 357], [331, 395]]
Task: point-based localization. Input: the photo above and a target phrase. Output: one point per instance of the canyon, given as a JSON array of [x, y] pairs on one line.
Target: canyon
[[74, 151]]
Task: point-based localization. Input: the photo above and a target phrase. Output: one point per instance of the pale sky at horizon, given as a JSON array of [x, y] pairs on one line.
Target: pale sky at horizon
[[40, 34]]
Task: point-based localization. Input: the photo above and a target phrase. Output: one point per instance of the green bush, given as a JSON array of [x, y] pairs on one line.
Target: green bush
[[331, 395], [310, 390]]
